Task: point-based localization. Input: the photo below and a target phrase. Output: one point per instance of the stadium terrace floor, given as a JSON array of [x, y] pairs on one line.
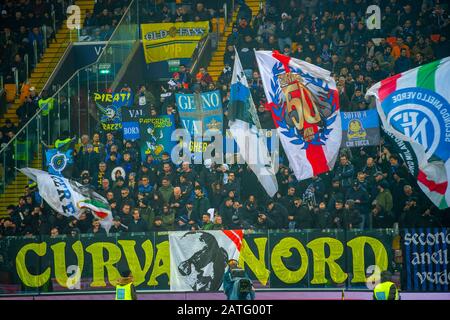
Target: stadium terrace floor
[[268, 295]]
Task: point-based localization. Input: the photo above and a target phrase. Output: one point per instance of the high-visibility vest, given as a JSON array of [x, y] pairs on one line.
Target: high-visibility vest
[[382, 290], [47, 105], [59, 142], [123, 292]]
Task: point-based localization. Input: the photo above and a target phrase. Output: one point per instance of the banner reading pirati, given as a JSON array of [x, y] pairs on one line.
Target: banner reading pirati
[[165, 41], [109, 105]]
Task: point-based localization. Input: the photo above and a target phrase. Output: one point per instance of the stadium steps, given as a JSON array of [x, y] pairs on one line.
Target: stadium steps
[[16, 188], [49, 60], [216, 64], [38, 78]]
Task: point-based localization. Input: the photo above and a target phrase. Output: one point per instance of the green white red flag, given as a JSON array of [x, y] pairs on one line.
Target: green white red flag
[[414, 107]]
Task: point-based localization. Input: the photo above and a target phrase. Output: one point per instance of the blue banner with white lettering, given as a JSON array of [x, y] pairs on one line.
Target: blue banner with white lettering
[[425, 259], [360, 128], [130, 121], [200, 111], [57, 160]]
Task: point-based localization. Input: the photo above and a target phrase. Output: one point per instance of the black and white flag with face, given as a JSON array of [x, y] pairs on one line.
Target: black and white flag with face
[[198, 259]]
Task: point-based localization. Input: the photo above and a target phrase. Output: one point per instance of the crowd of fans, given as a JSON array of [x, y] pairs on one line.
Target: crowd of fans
[[22, 24], [99, 24], [369, 187]]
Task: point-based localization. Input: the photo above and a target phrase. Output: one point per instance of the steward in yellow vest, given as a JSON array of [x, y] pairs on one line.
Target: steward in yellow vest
[[46, 105], [386, 289], [125, 289]]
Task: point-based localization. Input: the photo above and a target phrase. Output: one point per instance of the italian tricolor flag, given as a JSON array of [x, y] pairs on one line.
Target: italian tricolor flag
[[100, 209], [414, 107]]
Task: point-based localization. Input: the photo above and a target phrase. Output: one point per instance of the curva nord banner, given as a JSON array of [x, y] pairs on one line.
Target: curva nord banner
[[311, 259]]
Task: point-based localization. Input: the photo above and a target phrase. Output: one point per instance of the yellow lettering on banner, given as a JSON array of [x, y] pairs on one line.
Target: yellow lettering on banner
[[257, 265], [59, 260], [161, 41], [97, 96], [99, 264], [358, 245], [162, 263], [317, 246], [133, 260], [28, 279], [283, 250]]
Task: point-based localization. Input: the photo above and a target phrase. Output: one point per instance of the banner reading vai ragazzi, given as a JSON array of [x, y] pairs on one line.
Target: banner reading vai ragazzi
[[165, 41], [277, 260]]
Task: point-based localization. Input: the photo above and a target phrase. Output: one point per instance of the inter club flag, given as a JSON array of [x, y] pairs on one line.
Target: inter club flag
[[69, 198], [414, 108], [245, 129], [305, 108]]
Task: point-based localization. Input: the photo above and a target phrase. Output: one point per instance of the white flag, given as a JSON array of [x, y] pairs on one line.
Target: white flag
[[305, 109], [245, 129], [198, 259], [69, 197]]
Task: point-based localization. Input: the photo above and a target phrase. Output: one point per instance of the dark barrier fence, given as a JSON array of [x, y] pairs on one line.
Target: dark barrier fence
[[289, 260]]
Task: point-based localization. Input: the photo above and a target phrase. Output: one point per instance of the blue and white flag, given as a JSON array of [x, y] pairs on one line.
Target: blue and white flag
[[414, 106], [58, 160], [245, 128]]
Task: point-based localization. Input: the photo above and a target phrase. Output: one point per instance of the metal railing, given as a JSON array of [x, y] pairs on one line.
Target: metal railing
[[71, 100]]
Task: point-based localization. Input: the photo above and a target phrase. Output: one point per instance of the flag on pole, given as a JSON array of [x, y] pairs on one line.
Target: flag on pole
[[414, 107], [305, 108], [68, 197], [245, 129]]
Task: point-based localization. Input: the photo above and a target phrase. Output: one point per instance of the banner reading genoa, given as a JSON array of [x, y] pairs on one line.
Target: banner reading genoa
[[197, 109], [208, 251], [165, 41], [426, 259], [200, 112], [130, 121], [109, 105], [360, 129], [156, 135]]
